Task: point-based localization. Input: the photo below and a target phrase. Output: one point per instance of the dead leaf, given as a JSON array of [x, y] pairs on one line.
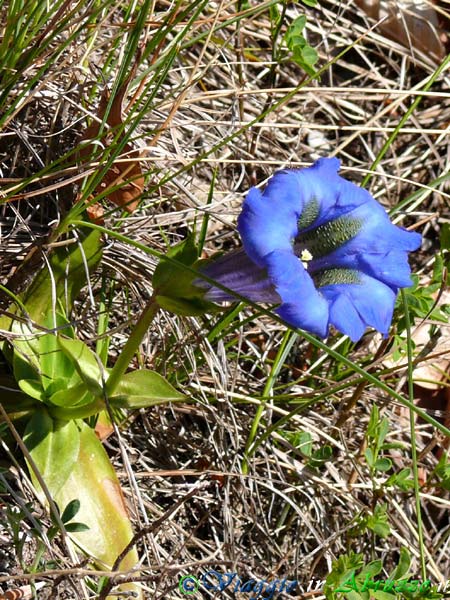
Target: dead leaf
[[25, 592], [413, 25], [430, 372], [124, 178], [103, 427]]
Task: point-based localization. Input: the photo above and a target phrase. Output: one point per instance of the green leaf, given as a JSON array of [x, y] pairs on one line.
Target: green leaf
[[380, 595], [56, 385], [93, 482], [274, 14], [187, 308], [296, 27], [297, 43], [393, 446], [77, 395], [383, 464], [143, 388], [343, 570], [401, 479], [352, 595], [32, 388], [303, 442], [311, 3], [369, 457], [310, 55], [25, 351], [171, 277], [173, 285], [76, 527], [85, 363], [320, 456], [373, 422], [445, 236], [383, 430], [302, 53], [378, 522], [54, 447], [372, 569], [54, 364], [404, 563], [70, 511], [68, 268], [24, 366]]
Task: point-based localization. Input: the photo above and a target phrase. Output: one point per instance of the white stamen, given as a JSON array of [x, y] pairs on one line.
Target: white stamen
[[305, 257]]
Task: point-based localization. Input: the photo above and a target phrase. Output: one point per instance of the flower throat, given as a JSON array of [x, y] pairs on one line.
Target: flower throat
[[327, 238]]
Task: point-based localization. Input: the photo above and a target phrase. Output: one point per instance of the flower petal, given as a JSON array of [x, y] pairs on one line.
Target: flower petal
[[344, 316], [392, 268], [261, 233], [270, 220], [377, 235], [336, 195], [302, 305], [370, 303], [356, 256]]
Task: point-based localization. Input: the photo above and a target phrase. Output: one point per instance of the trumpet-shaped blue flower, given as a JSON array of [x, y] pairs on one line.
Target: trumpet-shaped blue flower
[[322, 248]]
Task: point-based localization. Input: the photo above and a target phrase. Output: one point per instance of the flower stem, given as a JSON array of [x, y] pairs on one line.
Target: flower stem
[[132, 345]]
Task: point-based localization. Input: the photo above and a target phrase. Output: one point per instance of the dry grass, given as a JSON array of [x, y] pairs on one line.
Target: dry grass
[[181, 466]]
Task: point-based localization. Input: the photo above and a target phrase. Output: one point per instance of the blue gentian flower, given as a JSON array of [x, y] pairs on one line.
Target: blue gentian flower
[[322, 248]]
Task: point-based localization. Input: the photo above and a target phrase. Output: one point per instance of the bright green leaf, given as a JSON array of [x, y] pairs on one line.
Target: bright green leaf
[[369, 457], [53, 363], [404, 563], [170, 276], [372, 569], [297, 25], [383, 430], [85, 363], [310, 55], [25, 349], [373, 422], [78, 395], [380, 595], [173, 285], [378, 522], [383, 464], [93, 482], [304, 65], [297, 42], [32, 388], [143, 388], [54, 447], [24, 366], [303, 442], [56, 385]]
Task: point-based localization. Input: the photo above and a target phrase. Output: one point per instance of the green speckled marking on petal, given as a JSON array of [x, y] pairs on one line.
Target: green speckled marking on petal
[[335, 277], [326, 238], [309, 214]]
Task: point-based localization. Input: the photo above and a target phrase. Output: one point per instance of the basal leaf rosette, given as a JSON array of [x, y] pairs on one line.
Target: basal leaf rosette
[[320, 247]]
